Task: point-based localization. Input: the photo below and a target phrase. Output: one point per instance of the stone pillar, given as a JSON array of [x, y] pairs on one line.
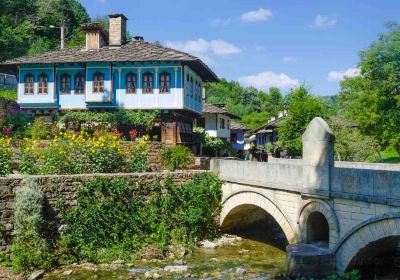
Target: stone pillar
[[318, 158]]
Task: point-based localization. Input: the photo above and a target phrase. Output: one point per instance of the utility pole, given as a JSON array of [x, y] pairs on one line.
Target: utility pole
[[62, 34], [63, 29]]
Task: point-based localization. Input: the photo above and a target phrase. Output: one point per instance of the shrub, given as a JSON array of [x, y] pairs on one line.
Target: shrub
[[29, 204], [18, 121], [6, 155], [114, 220], [8, 94], [78, 153], [176, 157], [40, 130], [30, 250]]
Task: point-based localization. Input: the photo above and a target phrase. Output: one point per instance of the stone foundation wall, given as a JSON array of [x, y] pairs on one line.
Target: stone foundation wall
[[64, 187]]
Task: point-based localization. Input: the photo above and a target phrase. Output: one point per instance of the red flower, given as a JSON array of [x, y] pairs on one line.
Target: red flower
[[133, 134], [7, 131]]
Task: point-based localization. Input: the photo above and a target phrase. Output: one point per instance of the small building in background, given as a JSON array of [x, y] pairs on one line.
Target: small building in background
[[268, 133], [237, 137], [217, 121], [8, 81]]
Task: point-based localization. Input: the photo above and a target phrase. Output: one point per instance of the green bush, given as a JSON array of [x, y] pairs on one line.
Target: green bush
[[29, 205], [18, 121], [176, 157], [6, 155], [8, 94], [30, 250], [40, 130], [114, 220]]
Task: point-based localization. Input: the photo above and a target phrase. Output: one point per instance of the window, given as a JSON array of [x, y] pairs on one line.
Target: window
[[228, 124], [147, 83], [29, 84], [191, 87], [130, 83], [233, 138], [65, 84], [187, 84], [165, 79], [98, 83], [222, 123], [43, 87], [79, 84]]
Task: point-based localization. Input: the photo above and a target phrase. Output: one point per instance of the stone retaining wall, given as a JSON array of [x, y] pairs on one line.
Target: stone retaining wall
[[64, 187]]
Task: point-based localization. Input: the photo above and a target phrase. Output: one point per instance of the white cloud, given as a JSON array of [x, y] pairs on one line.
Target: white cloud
[[259, 15], [203, 47], [289, 59], [323, 22], [221, 22], [334, 76], [265, 80]]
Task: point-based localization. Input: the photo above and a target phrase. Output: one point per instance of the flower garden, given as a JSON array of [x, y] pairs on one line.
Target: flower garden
[[79, 143]]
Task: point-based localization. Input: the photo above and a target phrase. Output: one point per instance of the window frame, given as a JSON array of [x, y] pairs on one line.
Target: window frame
[[167, 82], [79, 75], [146, 83], [43, 85], [221, 123], [31, 89], [133, 76], [65, 75], [98, 84]]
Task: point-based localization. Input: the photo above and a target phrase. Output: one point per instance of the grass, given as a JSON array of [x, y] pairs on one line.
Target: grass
[[390, 155], [8, 94]]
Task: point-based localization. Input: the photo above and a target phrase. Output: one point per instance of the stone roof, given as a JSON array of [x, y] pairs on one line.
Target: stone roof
[[238, 126], [214, 109], [134, 51]]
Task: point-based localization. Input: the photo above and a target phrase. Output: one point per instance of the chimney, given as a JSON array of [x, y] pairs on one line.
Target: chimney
[[117, 30], [96, 37]]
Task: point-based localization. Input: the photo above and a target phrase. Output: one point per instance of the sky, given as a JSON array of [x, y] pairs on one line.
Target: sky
[[263, 43]]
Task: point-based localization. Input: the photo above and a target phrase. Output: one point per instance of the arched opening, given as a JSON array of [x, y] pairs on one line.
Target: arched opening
[[378, 260], [317, 230], [254, 223]]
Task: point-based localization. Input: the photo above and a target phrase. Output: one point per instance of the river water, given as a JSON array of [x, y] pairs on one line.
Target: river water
[[245, 259]]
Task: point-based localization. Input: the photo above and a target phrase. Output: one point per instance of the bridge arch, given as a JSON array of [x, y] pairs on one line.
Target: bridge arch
[[371, 238], [318, 211], [239, 199]]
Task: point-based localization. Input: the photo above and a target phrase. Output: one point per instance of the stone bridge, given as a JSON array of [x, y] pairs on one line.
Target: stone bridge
[[335, 215]]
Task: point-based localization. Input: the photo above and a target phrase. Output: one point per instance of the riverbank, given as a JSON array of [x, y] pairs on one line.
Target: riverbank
[[233, 258], [7, 274]]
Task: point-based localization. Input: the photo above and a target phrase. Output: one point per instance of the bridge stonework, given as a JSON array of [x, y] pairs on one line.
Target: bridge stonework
[[353, 207]]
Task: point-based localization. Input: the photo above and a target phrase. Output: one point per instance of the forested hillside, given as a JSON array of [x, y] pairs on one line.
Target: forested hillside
[[25, 25], [254, 106]]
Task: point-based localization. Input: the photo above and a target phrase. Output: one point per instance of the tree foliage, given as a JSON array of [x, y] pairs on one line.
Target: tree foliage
[[372, 100], [253, 105], [302, 108], [25, 25]]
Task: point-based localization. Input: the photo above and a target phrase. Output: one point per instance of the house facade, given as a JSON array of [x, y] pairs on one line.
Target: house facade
[[237, 137], [110, 73]]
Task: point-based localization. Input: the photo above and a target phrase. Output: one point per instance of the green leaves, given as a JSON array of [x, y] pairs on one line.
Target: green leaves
[[114, 219], [373, 99], [302, 108], [176, 157]]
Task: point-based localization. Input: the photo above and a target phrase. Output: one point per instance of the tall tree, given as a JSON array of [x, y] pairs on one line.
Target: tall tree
[[302, 108], [372, 100]]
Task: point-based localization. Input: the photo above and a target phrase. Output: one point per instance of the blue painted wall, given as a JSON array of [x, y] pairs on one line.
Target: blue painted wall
[[239, 145], [115, 95]]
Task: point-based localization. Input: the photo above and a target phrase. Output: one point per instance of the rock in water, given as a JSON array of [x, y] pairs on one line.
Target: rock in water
[[36, 275], [176, 268], [67, 272], [240, 271]]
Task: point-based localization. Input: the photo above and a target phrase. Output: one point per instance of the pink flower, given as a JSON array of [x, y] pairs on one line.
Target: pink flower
[[7, 131], [133, 134]]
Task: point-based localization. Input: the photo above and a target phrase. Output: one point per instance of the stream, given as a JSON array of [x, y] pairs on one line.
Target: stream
[[245, 259]]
